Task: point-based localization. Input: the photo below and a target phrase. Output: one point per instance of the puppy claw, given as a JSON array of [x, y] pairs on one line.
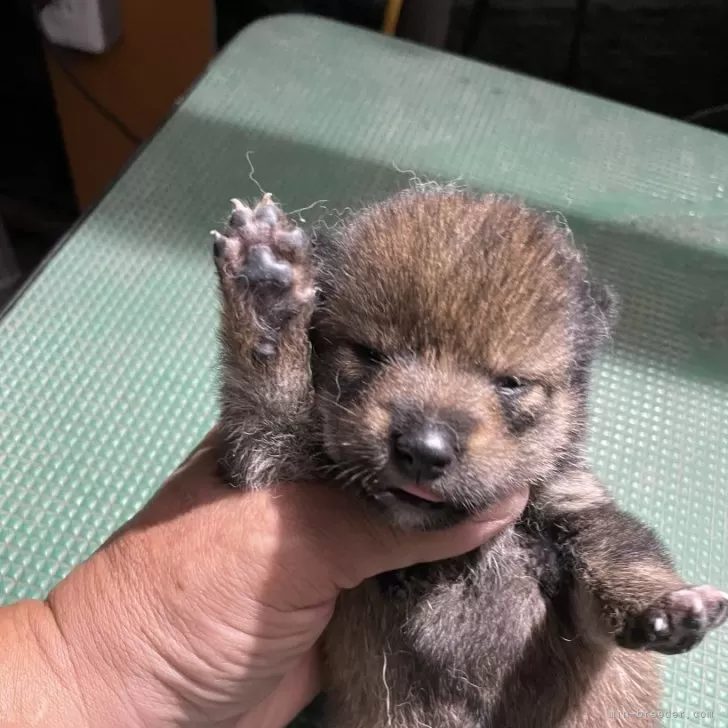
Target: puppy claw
[[219, 242], [241, 215]]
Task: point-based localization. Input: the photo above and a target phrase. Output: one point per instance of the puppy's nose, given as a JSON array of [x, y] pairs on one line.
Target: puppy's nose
[[424, 452]]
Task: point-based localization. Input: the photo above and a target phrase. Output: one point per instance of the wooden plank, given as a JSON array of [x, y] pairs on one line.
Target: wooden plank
[[166, 45]]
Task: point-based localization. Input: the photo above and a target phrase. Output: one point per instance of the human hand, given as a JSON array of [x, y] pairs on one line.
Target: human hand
[[206, 608]]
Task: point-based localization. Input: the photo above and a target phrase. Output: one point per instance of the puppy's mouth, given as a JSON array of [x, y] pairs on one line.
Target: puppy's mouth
[[412, 494], [420, 493]]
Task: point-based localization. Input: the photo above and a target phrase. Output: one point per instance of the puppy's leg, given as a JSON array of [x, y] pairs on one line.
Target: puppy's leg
[[267, 289], [622, 563]]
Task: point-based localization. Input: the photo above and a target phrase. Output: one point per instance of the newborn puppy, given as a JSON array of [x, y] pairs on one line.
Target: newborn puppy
[[444, 364]]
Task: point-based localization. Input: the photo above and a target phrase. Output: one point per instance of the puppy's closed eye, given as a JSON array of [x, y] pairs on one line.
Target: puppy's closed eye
[[511, 386], [366, 354], [522, 401]]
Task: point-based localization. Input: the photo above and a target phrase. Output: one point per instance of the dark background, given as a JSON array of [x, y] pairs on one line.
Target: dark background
[[666, 56]]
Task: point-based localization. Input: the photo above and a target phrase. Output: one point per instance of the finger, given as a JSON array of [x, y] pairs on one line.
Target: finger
[[369, 547]]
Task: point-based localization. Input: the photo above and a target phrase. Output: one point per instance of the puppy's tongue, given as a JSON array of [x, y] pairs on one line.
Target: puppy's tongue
[[420, 492]]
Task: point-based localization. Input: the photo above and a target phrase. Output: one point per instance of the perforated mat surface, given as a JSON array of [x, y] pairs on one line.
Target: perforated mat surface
[[107, 359]]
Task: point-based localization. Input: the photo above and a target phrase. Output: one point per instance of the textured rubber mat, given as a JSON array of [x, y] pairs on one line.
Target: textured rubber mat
[[107, 359]]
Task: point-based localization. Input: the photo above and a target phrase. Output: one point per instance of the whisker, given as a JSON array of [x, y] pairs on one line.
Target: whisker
[[340, 406]]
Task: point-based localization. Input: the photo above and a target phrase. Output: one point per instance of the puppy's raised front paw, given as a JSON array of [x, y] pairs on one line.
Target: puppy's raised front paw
[[265, 270]]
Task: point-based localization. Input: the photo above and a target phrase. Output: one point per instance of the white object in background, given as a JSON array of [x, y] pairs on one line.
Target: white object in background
[[9, 272], [86, 25]]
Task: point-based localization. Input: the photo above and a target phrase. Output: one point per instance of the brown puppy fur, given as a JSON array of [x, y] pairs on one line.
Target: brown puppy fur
[[446, 364]]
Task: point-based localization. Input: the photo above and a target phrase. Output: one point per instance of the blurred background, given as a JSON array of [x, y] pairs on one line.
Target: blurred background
[[71, 120]]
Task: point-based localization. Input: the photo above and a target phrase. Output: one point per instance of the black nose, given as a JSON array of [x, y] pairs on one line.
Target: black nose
[[424, 452]]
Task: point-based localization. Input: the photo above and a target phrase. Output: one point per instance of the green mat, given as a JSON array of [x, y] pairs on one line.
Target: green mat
[[107, 358]]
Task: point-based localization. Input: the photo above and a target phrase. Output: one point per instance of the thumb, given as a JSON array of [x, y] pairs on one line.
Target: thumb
[[360, 545]]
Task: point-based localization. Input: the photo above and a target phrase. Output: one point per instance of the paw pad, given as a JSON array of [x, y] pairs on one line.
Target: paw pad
[[677, 622], [264, 266]]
